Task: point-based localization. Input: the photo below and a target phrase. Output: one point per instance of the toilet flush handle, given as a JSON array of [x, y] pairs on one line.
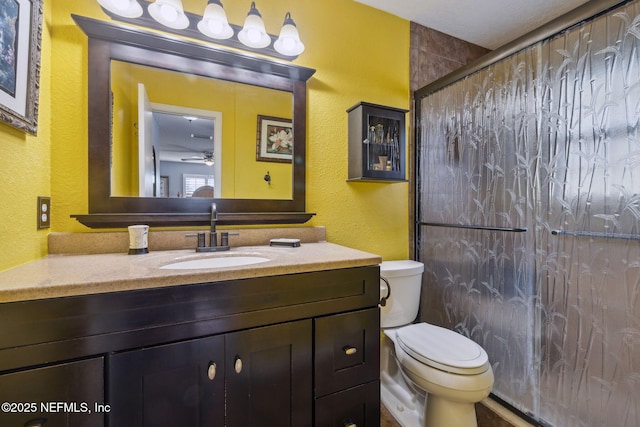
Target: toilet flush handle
[[383, 300]]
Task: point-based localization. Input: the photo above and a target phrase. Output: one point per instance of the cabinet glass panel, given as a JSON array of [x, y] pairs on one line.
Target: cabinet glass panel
[[382, 145]]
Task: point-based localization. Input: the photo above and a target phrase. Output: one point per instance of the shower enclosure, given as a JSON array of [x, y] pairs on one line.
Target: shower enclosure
[[528, 216]]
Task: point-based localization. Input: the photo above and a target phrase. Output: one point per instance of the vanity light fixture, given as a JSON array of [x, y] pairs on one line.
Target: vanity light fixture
[[214, 22], [253, 34], [213, 26], [289, 43], [169, 13], [126, 8]]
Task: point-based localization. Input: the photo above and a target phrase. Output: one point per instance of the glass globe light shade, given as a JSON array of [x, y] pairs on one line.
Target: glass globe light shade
[[214, 22], [253, 34], [124, 8], [288, 42], [169, 13]]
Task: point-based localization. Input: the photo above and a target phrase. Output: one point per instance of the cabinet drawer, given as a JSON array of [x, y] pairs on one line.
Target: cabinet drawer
[[347, 350], [355, 407]]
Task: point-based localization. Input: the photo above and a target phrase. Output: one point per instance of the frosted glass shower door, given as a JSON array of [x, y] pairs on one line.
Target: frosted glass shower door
[[588, 222], [475, 219], [528, 208]]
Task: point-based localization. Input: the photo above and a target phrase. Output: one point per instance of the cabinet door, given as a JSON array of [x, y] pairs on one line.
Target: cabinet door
[[56, 396], [179, 384], [269, 373]]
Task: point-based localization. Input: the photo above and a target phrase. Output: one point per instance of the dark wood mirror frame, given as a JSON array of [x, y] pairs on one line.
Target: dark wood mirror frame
[[109, 42]]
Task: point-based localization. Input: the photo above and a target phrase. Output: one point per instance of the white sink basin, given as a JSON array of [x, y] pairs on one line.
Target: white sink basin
[[218, 262]]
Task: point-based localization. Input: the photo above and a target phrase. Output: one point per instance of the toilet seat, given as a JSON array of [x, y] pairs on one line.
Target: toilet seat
[[442, 349]]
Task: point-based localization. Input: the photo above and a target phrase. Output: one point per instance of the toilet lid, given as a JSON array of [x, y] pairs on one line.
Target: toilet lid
[[401, 268], [442, 349]]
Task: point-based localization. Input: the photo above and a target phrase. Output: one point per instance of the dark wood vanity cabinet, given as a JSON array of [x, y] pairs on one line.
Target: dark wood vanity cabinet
[[292, 350]]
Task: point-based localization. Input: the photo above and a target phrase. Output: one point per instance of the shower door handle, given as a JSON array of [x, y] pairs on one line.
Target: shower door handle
[[474, 227]]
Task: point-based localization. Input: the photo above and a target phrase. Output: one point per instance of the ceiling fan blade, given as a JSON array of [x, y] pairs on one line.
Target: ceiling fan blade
[[199, 136]]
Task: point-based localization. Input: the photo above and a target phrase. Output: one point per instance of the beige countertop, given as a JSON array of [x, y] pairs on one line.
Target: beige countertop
[[67, 275]]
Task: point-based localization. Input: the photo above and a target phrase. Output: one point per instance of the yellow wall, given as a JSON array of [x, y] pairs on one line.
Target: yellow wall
[[360, 54], [25, 174], [249, 173], [124, 154]]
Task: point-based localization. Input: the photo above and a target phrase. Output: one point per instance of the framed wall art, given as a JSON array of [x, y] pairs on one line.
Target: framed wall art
[[20, 48], [275, 140]]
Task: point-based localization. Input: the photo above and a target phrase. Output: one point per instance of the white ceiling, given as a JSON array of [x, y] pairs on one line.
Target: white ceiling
[[487, 23]]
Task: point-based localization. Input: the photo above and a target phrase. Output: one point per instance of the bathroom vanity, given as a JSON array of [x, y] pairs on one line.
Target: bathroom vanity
[[118, 341]]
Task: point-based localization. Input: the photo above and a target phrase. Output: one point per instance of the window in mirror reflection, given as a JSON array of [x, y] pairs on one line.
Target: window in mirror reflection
[[168, 125]]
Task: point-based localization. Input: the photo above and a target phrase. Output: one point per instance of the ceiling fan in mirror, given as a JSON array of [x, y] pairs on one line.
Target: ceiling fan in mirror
[[206, 158]]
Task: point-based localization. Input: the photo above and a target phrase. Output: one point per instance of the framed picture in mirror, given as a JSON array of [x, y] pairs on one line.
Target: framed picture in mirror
[[275, 140], [20, 48]]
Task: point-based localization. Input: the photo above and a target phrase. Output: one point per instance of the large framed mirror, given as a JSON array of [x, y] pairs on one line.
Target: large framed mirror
[[176, 125]]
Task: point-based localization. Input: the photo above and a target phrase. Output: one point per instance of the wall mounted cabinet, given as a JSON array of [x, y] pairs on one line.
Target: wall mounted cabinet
[[377, 143]]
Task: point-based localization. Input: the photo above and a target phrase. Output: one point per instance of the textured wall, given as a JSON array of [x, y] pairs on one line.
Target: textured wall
[[24, 174], [433, 55]]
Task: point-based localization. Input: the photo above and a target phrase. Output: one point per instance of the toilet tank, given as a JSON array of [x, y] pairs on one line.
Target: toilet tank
[[405, 278]]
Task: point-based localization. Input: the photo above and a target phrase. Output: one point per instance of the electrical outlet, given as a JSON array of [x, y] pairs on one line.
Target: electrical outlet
[[44, 212]]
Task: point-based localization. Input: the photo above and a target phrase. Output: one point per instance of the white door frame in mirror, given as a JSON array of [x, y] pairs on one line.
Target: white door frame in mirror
[[216, 116]]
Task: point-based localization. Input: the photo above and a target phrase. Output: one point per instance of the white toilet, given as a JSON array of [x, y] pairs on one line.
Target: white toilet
[[430, 376]]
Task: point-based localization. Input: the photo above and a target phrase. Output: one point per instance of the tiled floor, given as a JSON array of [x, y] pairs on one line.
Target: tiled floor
[[486, 418], [386, 419]]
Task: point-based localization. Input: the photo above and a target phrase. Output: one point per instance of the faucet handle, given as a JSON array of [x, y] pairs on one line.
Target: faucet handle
[[201, 238], [224, 237]]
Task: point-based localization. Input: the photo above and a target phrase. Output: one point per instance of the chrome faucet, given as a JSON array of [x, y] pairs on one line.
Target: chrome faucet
[[214, 217], [213, 236]]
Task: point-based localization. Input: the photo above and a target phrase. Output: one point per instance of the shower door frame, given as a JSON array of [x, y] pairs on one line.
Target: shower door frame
[[583, 13]]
